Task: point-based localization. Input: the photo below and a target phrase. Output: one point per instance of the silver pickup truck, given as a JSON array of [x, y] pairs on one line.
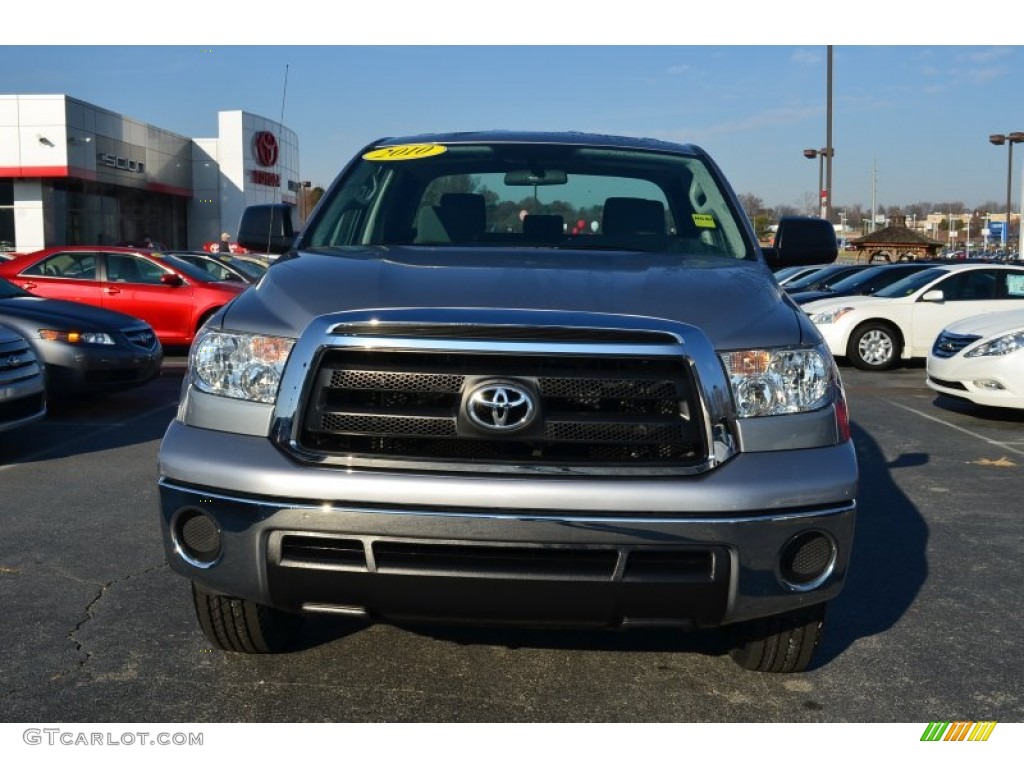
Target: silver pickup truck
[[543, 379]]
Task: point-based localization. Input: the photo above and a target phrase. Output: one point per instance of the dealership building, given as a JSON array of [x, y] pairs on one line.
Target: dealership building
[[72, 173]]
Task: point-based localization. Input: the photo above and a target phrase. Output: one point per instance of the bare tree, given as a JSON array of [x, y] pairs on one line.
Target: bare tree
[[752, 205]]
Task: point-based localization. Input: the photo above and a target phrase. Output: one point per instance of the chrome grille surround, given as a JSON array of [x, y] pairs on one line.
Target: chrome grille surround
[[646, 397]]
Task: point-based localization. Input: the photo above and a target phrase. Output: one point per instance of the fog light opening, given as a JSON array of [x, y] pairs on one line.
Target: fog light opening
[[196, 538], [989, 384], [807, 560]]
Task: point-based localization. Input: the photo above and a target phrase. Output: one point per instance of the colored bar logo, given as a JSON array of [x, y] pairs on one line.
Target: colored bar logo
[[961, 731]]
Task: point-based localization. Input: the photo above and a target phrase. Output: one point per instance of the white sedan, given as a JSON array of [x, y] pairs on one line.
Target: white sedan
[[903, 319], [981, 359]]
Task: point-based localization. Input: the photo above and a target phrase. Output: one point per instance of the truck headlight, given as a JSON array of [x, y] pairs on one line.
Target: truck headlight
[[244, 366], [1003, 345], [771, 382]]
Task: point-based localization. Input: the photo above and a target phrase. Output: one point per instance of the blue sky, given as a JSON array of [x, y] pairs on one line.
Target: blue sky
[[919, 114]]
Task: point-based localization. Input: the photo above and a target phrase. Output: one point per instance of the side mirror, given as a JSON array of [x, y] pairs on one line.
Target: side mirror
[[168, 278], [935, 295], [267, 228], [802, 241]]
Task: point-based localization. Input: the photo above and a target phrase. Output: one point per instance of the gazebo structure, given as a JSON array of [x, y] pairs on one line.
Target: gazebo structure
[[895, 243]]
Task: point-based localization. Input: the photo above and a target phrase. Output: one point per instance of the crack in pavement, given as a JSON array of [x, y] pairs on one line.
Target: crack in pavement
[[90, 608], [90, 613]]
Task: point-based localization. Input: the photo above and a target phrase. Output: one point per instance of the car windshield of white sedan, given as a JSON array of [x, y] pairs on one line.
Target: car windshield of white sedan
[[911, 284], [531, 196]]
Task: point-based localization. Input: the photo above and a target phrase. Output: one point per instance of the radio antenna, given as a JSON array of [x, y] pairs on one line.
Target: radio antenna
[[284, 96], [277, 189]]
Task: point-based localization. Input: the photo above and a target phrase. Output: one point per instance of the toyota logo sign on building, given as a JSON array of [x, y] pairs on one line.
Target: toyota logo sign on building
[[265, 150]]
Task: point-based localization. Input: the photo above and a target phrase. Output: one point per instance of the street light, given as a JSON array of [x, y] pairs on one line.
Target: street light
[[821, 154], [303, 201], [1009, 139]]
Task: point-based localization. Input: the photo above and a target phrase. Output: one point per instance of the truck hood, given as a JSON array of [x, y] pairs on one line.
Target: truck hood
[[736, 304]]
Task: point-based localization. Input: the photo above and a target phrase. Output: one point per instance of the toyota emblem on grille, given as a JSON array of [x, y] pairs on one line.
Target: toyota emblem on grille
[[501, 407]]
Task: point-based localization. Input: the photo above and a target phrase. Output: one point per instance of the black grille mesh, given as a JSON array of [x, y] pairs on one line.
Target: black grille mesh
[[621, 410]]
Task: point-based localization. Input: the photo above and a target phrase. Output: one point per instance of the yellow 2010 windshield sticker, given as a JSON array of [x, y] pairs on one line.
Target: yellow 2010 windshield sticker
[[406, 152], [705, 220]]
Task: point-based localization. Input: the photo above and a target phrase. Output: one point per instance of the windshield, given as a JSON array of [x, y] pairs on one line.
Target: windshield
[[820, 277], [9, 290], [785, 272], [909, 285], [856, 279], [252, 269], [196, 273], [531, 196], [872, 276]]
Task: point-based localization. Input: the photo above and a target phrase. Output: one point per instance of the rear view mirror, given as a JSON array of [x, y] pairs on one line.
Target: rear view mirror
[[169, 278], [535, 178]]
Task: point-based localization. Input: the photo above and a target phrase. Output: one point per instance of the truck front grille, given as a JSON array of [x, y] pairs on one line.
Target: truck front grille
[[630, 411]]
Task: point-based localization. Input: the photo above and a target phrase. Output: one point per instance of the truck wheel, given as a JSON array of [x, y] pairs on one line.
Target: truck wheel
[[873, 347], [782, 643], [233, 624]]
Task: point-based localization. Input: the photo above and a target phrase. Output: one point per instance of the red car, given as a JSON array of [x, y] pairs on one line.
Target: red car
[[174, 297]]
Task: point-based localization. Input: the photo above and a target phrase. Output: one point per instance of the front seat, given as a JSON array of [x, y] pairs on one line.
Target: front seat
[[122, 269], [632, 216], [459, 218]]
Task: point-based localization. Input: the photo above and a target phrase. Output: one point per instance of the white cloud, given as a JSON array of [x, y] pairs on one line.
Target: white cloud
[[805, 57]]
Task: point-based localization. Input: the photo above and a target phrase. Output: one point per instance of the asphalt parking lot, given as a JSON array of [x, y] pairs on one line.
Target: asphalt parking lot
[[97, 628]]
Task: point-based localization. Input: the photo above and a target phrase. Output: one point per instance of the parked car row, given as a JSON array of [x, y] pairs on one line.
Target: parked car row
[[174, 297], [966, 319], [88, 319]]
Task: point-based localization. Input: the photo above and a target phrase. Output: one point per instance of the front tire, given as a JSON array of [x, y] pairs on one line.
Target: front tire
[[873, 347], [784, 643], [242, 626]]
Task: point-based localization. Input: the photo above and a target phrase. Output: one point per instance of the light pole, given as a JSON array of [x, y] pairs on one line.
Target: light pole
[[821, 154], [827, 201], [303, 200], [1009, 139]]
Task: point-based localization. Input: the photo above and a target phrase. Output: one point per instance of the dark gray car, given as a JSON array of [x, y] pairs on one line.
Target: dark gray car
[[85, 349], [22, 383]]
